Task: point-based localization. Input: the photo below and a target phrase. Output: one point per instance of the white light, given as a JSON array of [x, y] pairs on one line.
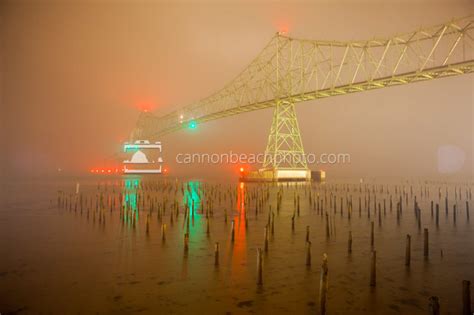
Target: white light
[[292, 174]]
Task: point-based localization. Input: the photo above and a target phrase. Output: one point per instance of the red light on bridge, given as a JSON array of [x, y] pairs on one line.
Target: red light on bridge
[[106, 170], [282, 25], [145, 106]]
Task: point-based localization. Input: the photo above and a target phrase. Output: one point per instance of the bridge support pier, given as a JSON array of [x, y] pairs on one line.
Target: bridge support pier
[[284, 156]]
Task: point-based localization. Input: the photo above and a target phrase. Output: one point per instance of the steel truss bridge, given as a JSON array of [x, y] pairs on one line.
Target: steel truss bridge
[[291, 70]]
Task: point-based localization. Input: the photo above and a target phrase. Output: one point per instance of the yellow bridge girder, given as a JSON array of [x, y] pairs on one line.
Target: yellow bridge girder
[[298, 70]]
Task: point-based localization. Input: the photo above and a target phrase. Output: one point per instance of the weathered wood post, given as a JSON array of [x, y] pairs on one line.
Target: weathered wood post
[[259, 267], [308, 253], [265, 235], [372, 240], [298, 205], [408, 251], [466, 297], [349, 243], [467, 210], [186, 244], [273, 224], [434, 305], [446, 204], [360, 206], [398, 213], [425, 243], [163, 232], [216, 254], [148, 225], [323, 285], [232, 235], [380, 216], [328, 235], [437, 215], [419, 218], [373, 269]]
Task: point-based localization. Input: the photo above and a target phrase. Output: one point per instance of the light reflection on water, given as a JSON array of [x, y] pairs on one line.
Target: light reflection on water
[[99, 259]]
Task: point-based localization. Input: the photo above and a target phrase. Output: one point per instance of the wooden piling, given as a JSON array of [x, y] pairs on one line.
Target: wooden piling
[[434, 305], [216, 254], [466, 297], [232, 235], [147, 225], [408, 251], [163, 232], [298, 205], [293, 223], [380, 216], [265, 235], [186, 244], [467, 210], [425, 243], [349, 243], [437, 215], [323, 285], [373, 269], [372, 240], [328, 234], [398, 214], [259, 267], [273, 224], [308, 253]]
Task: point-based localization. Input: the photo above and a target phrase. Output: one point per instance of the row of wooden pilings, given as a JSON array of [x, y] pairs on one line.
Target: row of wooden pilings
[[324, 284]]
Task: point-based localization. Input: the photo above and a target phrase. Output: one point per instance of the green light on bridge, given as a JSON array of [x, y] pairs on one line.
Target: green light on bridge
[[192, 125]]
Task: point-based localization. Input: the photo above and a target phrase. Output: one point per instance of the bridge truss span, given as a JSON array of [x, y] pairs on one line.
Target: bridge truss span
[[297, 70]]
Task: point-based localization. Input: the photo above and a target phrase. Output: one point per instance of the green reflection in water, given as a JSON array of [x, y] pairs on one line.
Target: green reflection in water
[[191, 194], [130, 195], [197, 227]]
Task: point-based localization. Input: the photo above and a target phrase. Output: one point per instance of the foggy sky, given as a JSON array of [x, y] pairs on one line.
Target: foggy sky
[[74, 75]]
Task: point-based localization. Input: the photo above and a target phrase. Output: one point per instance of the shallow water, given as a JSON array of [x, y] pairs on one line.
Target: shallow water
[[59, 260]]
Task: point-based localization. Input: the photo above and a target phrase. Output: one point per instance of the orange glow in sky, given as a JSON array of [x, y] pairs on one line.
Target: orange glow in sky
[[145, 106], [283, 26]]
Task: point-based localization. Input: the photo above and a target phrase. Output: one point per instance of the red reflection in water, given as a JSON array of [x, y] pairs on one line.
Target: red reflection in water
[[240, 244]]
